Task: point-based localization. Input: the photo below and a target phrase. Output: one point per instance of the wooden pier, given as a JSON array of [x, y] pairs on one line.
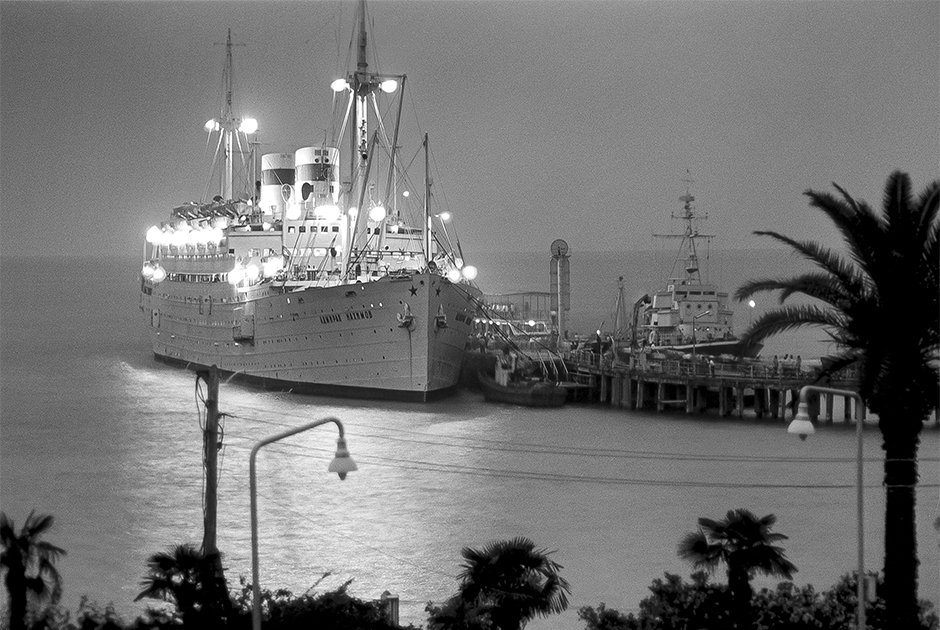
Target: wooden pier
[[766, 389]]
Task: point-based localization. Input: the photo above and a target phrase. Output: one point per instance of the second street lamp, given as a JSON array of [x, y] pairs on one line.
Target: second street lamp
[[342, 464], [803, 426]]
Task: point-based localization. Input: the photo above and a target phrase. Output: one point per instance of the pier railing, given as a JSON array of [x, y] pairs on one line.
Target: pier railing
[[658, 381], [756, 371]]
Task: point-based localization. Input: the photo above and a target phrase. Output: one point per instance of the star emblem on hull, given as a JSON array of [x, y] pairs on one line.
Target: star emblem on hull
[[413, 290]]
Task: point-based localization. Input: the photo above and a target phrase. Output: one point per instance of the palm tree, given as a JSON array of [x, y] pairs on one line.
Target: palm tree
[[881, 307], [513, 581], [189, 578], [29, 563], [743, 543]]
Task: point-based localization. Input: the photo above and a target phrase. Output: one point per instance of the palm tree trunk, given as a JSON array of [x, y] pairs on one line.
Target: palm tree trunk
[[739, 583], [900, 479], [16, 588]]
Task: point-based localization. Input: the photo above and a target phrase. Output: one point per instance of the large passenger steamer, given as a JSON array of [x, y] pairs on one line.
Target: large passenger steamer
[[322, 279]]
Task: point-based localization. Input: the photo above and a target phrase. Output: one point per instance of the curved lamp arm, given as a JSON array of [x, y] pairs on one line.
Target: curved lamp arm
[[342, 464], [803, 426]]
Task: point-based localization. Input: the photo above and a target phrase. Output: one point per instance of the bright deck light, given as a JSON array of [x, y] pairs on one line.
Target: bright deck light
[[293, 212], [377, 213], [249, 125], [236, 275], [469, 272], [212, 125], [444, 217], [216, 235], [453, 275], [388, 86], [329, 211], [339, 85], [271, 266]]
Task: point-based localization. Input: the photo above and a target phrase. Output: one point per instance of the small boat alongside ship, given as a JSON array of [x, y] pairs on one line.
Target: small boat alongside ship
[[528, 393], [521, 383], [688, 315], [321, 279]]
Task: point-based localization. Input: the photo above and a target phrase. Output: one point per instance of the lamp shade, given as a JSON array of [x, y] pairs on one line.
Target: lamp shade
[[342, 463], [801, 425]]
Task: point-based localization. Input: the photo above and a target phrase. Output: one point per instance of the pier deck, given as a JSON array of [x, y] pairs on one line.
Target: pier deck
[[731, 388]]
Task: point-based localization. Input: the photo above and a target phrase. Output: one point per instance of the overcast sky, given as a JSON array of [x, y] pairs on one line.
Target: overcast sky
[[548, 119]]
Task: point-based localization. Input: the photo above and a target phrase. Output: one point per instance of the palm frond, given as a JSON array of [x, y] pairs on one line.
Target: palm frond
[[816, 285], [695, 548], [793, 318], [862, 230], [820, 256], [7, 530], [928, 205], [34, 526]]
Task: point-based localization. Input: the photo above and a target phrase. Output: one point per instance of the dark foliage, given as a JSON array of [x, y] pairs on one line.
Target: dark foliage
[[678, 605], [29, 564], [502, 586], [193, 582]]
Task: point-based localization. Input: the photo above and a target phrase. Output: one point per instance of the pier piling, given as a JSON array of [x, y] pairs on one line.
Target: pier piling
[[661, 384]]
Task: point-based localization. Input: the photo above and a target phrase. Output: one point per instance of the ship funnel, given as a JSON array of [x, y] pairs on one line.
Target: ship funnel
[[277, 183], [317, 176]]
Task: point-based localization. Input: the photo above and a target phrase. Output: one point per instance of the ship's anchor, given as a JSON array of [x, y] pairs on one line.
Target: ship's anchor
[[406, 319], [441, 320]]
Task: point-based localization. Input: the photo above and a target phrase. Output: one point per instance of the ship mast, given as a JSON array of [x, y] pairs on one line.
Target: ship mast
[[688, 215], [229, 127], [228, 120], [621, 323], [687, 246], [427, 202], [362, 85]]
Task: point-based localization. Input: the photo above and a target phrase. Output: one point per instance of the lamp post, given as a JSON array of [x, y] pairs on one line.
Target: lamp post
[[342, 464], [695, 317], [802, 426]]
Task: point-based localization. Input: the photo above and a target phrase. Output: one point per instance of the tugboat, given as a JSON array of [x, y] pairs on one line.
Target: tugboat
[[320, 278], [518, 380], [688, 315]]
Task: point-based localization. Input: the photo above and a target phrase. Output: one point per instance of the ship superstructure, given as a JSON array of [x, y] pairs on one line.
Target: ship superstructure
[[688, 314], [319, 279]]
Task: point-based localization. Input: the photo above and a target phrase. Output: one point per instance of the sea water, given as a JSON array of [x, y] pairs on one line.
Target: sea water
[[96, 433]]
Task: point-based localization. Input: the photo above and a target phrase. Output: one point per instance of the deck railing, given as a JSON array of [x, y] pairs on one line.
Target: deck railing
[[758, 370]]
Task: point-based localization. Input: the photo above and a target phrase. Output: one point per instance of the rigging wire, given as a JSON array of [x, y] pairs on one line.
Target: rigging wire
[[552, 449], [426, 466]]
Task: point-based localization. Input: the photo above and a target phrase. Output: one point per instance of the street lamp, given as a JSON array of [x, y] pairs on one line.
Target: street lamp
[[342, 464], [802, 426], [695, 317]]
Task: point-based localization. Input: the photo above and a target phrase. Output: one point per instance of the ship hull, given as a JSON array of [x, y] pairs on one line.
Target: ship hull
[[534, 394], [732, 347], [399, 338]]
